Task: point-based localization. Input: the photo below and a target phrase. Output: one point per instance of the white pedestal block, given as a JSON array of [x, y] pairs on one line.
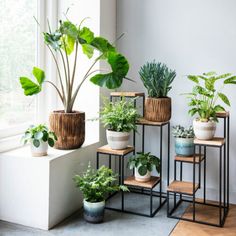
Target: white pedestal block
[[39, 191]]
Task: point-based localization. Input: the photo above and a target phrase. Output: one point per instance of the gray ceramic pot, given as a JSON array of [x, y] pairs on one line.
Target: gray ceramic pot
[[94, 211]]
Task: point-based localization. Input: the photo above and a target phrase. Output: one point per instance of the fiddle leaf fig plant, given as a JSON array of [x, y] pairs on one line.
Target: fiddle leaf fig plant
[[205, 94], [63, 43]]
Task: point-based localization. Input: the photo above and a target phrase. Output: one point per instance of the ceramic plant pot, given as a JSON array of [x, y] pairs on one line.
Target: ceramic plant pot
[[69, 129], [184, 146], [40, 151], [142, 178], [94, 211], [204, 130], [117, 140], [157, 109]]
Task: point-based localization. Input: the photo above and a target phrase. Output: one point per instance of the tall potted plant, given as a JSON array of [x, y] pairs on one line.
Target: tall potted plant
[[69, 124], [120, 119], [95, 185], [203, 101], [157, 79]]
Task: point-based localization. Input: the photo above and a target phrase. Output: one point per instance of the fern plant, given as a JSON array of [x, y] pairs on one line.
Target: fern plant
[[157, 78]]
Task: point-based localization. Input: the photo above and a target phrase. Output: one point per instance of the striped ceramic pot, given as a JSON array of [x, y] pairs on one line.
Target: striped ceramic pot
[[94, 211], [184, 146], [204, 130], [117, 140]]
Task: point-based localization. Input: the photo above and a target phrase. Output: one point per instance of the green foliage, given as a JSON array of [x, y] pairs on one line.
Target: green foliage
[[144, 162], [39, 133], [65, 40], [120, 116], [157, 78], [179, 131], [96, 184], [204, 94]]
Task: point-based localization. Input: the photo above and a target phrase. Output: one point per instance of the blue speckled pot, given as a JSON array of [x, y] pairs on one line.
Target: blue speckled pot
[[94, 211], [184, 146]]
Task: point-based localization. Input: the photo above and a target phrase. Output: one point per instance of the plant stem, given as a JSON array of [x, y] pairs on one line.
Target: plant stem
[[58, 91], [74, 69], [64, 66]]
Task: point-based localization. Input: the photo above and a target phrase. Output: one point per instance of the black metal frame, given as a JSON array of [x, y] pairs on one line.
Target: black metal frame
[[223, 192]]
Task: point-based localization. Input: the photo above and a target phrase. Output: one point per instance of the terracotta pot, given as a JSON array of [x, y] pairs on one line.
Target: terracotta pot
[[204, 130], [69, 128], [158, 109]]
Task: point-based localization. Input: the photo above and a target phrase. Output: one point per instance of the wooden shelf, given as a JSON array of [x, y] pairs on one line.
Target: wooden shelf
[[127, 94], [143, 121], [189, 159], [107, 150], [218, 142], [222, 114], [182, 187], [130, 181]]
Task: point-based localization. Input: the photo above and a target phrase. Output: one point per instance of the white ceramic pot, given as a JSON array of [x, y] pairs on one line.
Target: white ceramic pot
[[142, 178], [204, 130], [40, 151], [117, 140], [94, 211]]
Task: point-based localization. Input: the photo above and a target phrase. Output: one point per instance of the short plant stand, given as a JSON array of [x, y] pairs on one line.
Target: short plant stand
[[198, 209]]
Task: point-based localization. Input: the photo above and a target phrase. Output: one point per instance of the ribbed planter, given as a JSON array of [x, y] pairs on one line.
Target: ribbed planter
[[142, 178], [117, 140], [40, 151], [204, 130], [94, 211], [69, 128], [158, 109], [184, 146]]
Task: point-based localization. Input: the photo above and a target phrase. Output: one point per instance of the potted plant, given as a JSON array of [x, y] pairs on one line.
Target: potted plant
[[39, 137], [183, 140], [95, 185], [120, 119], [203, 101], [157, 79], [143, 164], [69, 124]]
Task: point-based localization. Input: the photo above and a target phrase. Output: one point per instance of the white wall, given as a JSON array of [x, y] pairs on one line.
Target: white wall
[[190, 37]]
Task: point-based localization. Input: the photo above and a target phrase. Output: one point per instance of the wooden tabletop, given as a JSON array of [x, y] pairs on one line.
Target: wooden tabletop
[[121, 152]]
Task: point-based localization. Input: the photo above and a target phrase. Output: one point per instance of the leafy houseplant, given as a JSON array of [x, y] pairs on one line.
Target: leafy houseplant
[[68, 124], [39, 137], [157, 78], [120, 119], [183, 140], [203, 101], [144, 163], [95, 185]]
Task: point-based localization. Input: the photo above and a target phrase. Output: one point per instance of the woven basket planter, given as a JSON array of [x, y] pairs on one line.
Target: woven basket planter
[[158, 109], [69, 128]]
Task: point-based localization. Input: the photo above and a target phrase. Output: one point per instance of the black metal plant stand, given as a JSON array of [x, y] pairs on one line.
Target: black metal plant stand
[[186, 191]]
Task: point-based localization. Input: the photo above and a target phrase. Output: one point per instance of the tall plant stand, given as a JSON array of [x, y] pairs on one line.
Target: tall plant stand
[[186, 191]]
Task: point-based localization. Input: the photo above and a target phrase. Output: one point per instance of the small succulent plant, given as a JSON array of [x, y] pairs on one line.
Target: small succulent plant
[[179, 131]]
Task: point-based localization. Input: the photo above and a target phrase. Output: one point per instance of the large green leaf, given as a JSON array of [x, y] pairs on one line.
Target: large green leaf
[[86, 35], [231, 80], [53, 39], [193, 78], [114, 79], [69, 29], [68, 44], [29, 86], [88, 50], [39, 75], [102, 45], [142, 170], [224, 98]]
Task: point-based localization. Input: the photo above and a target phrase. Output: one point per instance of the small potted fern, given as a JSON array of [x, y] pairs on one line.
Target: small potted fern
[[157, 78], [120, 119], [183, 140]]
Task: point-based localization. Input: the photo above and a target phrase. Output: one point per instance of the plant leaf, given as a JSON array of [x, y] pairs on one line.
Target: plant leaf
[[68, 28], [193, 78], [36, 142], [38, 74], [50, 142], [224, 98], [231, 80], [29, 86], [86, 35], [142, 170], [38, 135]]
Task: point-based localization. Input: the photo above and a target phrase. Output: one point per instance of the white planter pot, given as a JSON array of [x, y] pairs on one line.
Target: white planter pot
[[142, 178], [204, 130], [94, 211], [117, 140], [39, 151]]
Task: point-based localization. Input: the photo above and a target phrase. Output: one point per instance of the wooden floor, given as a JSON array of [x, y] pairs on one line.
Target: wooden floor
[[184, 228]]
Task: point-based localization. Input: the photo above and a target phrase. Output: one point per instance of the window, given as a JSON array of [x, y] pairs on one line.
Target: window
[[18, 53]]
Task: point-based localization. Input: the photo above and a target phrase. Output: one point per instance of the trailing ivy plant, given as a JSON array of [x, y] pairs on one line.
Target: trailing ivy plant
[[157, 78], [119, 116], [96, 184], [39, 133], [204, 95], [64, 41], [144, 162], [179, 131]]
